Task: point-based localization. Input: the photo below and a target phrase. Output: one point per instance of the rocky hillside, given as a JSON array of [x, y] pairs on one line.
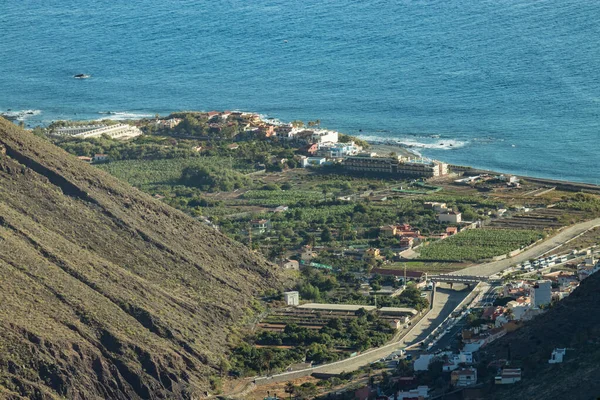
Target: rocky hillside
[[573, 323], [106, 292]]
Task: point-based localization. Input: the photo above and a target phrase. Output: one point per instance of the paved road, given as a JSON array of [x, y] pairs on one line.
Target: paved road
[[450, 338], [563, 236], [445, 302], [488, 297]]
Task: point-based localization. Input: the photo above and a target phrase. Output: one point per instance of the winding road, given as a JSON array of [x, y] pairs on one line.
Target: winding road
[[536, 251], [445, 301]]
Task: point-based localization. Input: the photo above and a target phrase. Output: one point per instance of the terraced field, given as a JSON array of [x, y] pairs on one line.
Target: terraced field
[[545, 218], [311, 319]]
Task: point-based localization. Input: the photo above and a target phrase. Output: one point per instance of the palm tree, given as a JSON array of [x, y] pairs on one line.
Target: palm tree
[[290, 388]]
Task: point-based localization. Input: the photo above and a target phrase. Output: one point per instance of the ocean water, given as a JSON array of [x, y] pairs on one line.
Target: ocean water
[[502, 84]]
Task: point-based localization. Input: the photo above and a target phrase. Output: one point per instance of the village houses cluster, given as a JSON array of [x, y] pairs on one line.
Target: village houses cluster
[[531, 297]]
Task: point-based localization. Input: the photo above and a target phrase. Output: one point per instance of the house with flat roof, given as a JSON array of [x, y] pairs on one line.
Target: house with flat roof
[[435, 206], [421, 392], [100, 158], [450, 217], [291, 264], [508, 376], [451, 230], [557, 356], [463, 377], [387, 230], [313, 161], [261, 225], [337, 150], [292, 298], [407, 242]]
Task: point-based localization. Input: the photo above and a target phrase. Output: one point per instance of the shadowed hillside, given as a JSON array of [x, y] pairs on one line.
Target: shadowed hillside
[[573, 323], [105, 292]]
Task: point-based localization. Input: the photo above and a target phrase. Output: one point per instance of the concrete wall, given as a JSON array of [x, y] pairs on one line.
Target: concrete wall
[[514, 252]]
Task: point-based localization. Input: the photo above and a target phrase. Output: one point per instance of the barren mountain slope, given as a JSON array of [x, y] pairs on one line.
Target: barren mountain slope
[[104, 291]]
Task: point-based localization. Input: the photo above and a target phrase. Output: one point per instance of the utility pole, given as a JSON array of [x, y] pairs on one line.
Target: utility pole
[[404, 283], [250, 236]]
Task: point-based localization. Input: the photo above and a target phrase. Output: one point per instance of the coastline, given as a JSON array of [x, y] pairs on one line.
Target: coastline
[[385, 149], [382, 147]]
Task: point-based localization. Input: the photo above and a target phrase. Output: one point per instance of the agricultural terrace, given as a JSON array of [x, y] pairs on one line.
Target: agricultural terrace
[[322, 339], [146, 174], [275, 197], [543, 218], [479, 244]]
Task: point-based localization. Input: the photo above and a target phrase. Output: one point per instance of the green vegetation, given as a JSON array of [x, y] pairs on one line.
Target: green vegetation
[[340, 288], [194, 167], [581, 202], [278, 197], [198, 124], [343, 138], [335, 340], [479, 244], [148, 174], [210, 178], [139, 148]]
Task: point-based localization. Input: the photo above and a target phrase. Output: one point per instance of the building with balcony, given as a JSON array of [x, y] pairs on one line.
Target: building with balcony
[[338, 150], [399, 166]]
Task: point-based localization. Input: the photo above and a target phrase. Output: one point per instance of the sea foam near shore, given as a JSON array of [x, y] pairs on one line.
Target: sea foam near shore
[[120, 115], [414, 145]]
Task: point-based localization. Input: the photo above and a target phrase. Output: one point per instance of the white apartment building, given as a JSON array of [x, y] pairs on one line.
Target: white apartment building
[[117, 131]]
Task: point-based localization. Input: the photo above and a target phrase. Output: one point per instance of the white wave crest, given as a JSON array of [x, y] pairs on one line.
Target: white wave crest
[[420, 143], [19, 115], [117, 115]]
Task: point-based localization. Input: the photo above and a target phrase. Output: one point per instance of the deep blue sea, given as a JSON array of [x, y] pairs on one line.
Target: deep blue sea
[[507, 85]]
